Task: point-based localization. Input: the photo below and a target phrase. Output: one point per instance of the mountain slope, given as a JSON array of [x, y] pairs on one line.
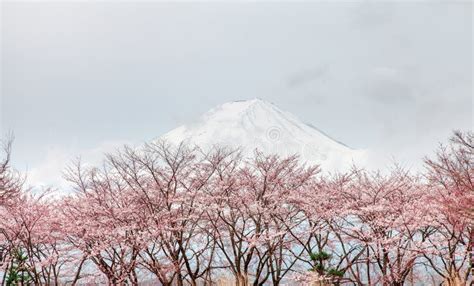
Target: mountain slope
[[257, 124]]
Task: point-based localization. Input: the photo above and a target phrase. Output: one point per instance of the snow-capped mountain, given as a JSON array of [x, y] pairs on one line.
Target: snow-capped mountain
[[257, 124]]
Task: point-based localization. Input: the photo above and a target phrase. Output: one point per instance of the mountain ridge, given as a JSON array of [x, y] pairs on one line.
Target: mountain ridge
[[258, 124]]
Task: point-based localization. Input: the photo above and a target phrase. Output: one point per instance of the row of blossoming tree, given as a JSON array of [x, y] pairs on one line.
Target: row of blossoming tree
[[167, 215]]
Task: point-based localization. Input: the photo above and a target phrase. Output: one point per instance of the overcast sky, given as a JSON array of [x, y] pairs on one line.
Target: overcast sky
[[82, 78]]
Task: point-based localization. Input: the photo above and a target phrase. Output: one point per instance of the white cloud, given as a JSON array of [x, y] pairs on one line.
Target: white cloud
[[49, 173]]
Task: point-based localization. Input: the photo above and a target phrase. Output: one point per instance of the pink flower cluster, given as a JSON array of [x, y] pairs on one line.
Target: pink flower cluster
[[180, 216]]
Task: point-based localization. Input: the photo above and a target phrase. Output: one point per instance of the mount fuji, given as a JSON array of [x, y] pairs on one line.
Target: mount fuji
[[257, 124]]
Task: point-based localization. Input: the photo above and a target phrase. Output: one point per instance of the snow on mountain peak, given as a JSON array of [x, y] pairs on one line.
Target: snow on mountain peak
[[258, 124]]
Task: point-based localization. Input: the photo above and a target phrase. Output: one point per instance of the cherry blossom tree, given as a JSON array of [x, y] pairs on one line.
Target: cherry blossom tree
[[327, 253], [9, 187], [170, 182], [104, 221], [387, 213], [249, 202], [10, 181], [31, 228], [28, 232], [451, 182], [366, 227]]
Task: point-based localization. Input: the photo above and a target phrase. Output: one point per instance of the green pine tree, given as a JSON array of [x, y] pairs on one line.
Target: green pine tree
[[320, 262], [17, 273]]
